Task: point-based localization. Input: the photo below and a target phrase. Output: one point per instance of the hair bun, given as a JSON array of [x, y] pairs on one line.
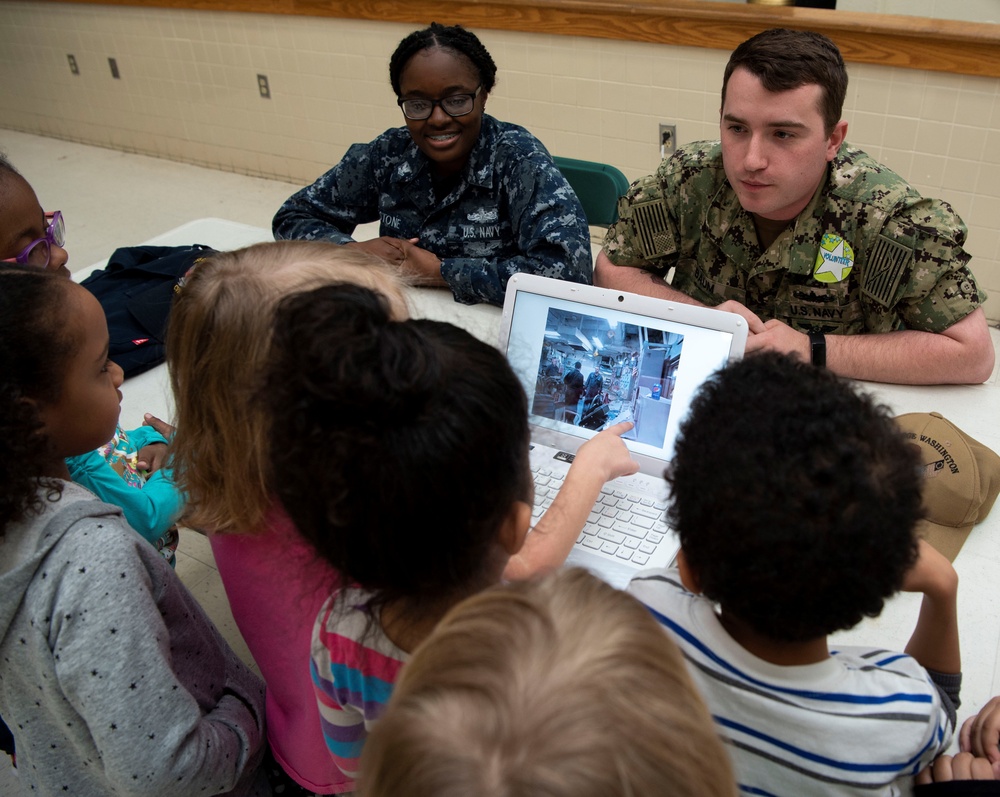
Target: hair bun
[[365, 368]]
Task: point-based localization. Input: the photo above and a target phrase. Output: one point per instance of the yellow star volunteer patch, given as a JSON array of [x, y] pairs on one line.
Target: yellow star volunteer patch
[[834, 260]]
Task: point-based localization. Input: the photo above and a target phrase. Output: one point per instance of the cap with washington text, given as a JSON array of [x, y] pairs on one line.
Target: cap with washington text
[[961, 479]]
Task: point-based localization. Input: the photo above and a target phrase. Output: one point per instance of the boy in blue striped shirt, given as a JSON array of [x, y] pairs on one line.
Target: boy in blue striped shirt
[[796, 501]]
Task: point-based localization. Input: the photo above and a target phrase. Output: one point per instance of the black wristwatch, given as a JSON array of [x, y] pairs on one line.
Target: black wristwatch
[[817, 349]]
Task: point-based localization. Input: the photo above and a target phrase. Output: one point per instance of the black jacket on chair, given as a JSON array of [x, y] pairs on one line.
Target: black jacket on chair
[[136, 290]]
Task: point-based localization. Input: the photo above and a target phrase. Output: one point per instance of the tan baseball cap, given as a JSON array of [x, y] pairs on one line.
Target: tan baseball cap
[[962, 479]]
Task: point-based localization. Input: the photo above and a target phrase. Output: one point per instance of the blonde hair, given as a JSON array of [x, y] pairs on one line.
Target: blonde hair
[[217, 342], [564, 686]]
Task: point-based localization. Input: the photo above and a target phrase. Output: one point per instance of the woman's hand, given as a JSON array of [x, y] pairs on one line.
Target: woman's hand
[[385, 248], [422, 265]]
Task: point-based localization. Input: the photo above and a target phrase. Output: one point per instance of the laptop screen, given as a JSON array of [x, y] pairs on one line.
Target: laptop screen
[[591, 357]]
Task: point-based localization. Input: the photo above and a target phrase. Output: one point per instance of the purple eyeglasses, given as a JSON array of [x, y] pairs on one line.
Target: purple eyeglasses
[[39, 251]]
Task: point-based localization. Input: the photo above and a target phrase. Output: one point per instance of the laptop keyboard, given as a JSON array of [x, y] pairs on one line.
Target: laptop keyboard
[[622, 526]]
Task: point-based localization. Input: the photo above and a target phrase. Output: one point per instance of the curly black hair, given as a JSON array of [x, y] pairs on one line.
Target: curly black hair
[[795, 498], [398, 447], [33, 353], [453, 38]]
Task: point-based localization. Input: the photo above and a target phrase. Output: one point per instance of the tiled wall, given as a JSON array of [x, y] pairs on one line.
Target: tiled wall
[[188, 91], [966, 10]]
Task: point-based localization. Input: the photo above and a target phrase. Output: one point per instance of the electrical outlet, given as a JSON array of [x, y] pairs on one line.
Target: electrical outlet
[[668, 140], [72, 64], [264, 86], [114, 68]]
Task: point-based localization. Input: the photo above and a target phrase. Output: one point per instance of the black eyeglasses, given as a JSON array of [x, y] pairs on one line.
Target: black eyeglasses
[[453, 105]]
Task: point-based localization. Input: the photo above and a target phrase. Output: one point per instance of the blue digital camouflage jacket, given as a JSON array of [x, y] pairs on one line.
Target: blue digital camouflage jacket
[[512, 211]]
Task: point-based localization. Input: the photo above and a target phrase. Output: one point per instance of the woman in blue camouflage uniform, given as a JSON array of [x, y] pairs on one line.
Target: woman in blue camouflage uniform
[[463, 200]]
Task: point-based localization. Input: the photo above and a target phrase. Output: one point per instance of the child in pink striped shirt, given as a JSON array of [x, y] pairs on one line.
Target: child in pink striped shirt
[[400, 451]]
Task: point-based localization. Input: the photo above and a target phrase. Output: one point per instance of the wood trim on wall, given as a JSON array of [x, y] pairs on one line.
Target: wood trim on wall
[[911, 42]]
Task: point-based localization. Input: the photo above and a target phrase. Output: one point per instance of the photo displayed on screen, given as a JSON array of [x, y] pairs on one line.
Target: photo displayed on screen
[[594, 372]]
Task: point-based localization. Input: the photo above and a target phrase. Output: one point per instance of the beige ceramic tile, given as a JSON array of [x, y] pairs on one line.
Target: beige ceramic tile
[[193, 572], [985, 212], [927, 174], [212, 596], [904, 99], [939, 104], [974, 108], [995, 115], [967, 143], [992, 152], [873, 95], [985, 243], [959, 174], [899, 134], [933, 138], [867, 130], [196, 546]]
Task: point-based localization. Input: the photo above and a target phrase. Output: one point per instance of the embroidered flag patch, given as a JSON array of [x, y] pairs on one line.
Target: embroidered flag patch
[[652, 230], [885, 269]]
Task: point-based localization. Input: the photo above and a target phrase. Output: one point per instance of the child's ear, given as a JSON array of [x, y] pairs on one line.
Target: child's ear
[[689, 578], [515, 527]]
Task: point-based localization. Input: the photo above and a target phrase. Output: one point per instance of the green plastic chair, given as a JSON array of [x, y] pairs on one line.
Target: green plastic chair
[[598, 185]]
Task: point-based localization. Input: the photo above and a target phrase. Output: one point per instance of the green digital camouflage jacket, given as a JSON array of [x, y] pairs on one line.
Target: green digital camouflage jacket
[[868, 254]]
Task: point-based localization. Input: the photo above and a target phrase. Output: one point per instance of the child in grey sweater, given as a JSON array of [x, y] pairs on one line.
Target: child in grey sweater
[[112, 678]]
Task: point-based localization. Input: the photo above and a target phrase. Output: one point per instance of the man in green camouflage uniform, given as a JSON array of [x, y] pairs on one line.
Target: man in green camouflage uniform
[[808, 238]]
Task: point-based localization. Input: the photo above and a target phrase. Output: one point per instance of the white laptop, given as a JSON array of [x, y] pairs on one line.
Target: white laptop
[[640, 359]]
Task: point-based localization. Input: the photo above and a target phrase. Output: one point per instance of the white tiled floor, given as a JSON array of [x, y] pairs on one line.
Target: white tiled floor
[[113, 199]]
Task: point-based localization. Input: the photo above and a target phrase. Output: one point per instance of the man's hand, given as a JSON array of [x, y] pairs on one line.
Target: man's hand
[[754, 322], [770, 335], [778, 336]]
